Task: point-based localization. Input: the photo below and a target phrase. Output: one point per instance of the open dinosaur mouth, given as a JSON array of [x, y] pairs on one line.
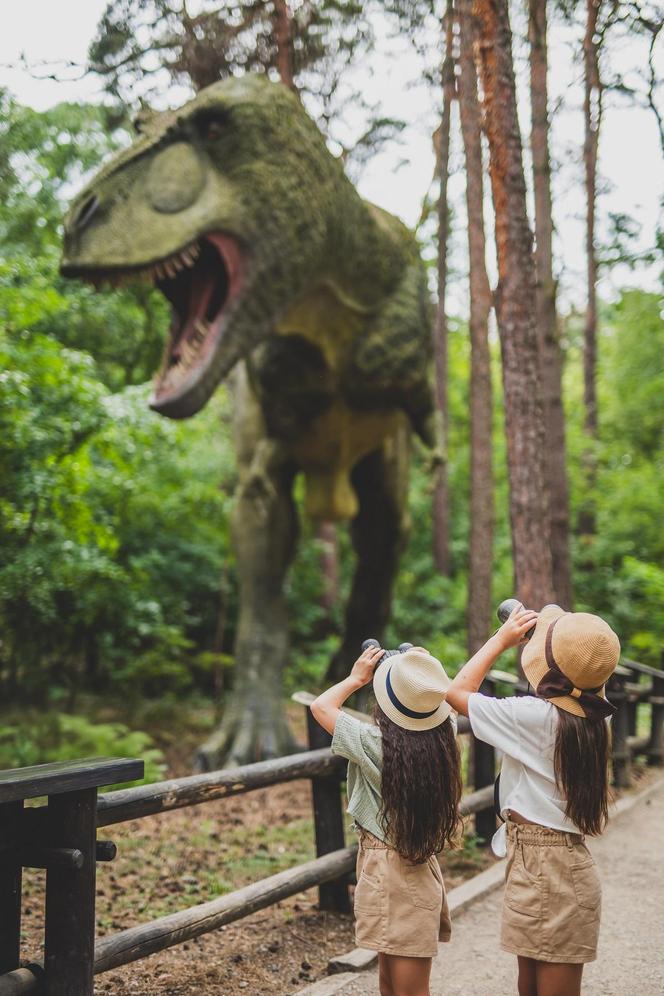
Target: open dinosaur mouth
[[200, 282]]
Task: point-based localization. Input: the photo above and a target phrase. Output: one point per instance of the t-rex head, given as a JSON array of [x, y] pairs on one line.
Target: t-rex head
[[224, 206]]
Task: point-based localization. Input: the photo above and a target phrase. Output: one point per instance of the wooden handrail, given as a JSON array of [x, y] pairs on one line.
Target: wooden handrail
[[138, 942], [161, 797], [652, 672], [330, 870]]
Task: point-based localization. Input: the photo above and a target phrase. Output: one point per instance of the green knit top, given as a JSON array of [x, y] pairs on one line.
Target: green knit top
[[361, 743]]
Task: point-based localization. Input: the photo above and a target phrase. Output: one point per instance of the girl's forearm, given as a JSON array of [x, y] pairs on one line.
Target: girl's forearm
[[326, 707], [472, 674]]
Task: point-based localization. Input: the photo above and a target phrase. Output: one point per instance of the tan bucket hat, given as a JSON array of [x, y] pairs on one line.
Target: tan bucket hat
[[569, 658], [411, 689]]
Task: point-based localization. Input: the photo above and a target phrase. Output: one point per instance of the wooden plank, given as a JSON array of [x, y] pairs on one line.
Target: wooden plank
[[70, 897], [507, 676], [620, 753], [139, 942], [10, 891], [306, 698], [638, 745], [656, 745], [495, 677], [328, 822], [67, 776], [477, 801], [21, 982], [160, 797], [653, 672]]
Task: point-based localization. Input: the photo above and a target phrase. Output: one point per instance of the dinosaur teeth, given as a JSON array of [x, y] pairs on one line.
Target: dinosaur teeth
[[188, 353], [201, 330]]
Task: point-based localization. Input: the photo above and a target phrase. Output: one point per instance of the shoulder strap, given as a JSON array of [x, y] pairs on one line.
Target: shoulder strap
[[496, 797]]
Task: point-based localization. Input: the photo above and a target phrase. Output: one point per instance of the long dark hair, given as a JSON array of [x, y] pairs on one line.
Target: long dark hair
[[581, 766], [421, 787]]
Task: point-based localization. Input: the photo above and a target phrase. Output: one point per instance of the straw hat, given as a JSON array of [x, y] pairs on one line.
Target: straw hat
[[411, 689], [583, 649]]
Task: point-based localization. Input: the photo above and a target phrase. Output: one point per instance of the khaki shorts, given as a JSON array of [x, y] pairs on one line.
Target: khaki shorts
[[553, 896], [400, 908]]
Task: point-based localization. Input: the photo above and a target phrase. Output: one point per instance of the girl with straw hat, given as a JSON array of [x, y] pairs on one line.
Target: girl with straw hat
[[553, 788], [404, 786]]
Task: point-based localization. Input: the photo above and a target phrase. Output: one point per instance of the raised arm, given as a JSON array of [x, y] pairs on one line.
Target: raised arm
[[327, 706], [472, 674]]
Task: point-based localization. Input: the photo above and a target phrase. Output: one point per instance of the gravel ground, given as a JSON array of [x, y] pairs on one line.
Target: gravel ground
[[630, 857]]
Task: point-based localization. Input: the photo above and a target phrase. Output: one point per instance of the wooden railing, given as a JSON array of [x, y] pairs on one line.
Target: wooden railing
[[68, 969]]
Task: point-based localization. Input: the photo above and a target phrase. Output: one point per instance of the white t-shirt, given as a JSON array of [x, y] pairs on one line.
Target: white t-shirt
[[524, 729]]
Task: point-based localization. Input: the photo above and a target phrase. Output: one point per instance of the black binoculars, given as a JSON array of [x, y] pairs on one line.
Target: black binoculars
[[505, 610], [401, 649]]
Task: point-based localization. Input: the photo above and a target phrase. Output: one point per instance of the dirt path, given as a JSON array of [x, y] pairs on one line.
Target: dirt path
[[630, 857]]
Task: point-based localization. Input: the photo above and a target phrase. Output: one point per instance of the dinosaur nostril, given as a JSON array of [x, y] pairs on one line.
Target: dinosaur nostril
[[86, 212]]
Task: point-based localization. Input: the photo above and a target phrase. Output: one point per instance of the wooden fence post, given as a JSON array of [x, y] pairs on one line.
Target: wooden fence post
[[621, 756], [70, 896], [484, 760], [328, 822], [10, 890], [656, 744]]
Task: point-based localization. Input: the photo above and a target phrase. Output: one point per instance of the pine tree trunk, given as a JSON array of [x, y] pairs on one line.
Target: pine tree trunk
[[551, 359], [515, 311], [325, 531], [481, 469], [592, 112], [284, 38], [441, 512]]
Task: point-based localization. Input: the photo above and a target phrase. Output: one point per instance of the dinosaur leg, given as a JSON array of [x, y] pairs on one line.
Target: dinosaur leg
[[265, 531], [378, 533]]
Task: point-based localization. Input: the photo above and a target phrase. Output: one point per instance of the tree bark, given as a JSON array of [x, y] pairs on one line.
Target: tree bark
[[481, 461], [592, 113], [283, 34], [441, 512], [326, 532], [515, 311], [551, 360]]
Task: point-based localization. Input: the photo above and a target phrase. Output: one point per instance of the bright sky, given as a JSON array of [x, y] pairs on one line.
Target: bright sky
[[631, 168]]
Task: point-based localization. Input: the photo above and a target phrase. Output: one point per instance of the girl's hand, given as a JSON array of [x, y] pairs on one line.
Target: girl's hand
[[365, 665], [514, 629]]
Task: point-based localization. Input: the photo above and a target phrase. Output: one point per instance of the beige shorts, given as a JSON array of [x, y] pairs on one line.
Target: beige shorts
[[553, 896], [400, 908]]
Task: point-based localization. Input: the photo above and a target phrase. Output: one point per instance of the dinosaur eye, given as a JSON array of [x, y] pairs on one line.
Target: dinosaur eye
[[211, 126], [214, 130]]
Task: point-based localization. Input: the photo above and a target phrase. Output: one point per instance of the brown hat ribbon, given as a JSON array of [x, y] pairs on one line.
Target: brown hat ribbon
[[555, 684]]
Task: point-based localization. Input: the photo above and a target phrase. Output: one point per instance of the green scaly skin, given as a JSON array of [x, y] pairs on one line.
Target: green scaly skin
[[316, 302]]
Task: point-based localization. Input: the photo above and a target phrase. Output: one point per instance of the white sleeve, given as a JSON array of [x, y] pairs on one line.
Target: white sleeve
[[495, 721]]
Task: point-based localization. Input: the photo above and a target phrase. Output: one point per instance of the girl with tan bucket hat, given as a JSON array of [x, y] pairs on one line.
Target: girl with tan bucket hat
[[404, 786], [553, 787]]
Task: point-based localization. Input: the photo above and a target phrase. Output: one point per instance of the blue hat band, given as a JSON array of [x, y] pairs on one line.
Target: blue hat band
[[404, 710]]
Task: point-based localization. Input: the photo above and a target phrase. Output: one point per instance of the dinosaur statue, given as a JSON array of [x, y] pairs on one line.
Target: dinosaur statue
[[313, 303]]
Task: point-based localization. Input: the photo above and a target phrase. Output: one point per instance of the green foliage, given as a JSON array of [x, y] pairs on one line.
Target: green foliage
[[40, 738], [620, 573], [115, 554], [43, 156], [113, 527]]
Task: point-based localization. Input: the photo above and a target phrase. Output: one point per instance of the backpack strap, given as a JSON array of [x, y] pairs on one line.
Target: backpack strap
[[496, 797]]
